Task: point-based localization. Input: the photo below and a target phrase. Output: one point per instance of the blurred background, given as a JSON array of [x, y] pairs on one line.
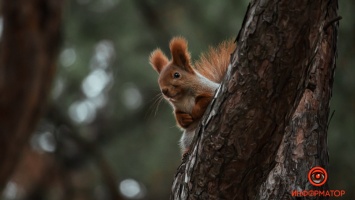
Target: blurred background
[[105, 130]]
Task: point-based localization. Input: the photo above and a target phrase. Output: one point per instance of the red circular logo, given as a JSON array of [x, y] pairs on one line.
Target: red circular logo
[[317, 176]]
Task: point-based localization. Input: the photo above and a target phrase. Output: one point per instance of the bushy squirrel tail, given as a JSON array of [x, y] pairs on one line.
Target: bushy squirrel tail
[[214, 63]]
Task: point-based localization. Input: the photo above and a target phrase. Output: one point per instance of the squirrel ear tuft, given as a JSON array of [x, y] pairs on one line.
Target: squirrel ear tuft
[[180, 54], [158, 60]]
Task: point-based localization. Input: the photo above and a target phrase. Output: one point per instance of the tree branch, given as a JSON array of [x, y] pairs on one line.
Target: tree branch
[[29, 47]]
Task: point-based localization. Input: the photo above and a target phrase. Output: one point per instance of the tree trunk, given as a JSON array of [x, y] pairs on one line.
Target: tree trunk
[[28, 51], [267, 126]]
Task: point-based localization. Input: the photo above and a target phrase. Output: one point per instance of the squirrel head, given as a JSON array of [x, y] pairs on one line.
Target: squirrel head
[[176, 75]]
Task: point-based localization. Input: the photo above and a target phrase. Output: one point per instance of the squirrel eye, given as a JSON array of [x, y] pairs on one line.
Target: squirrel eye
[[176, 75]]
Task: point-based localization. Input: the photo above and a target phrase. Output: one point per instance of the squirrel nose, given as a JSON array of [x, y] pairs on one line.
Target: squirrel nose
[[165, 91]]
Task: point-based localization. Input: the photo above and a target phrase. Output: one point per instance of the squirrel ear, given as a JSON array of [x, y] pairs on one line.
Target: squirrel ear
[[180, 54], [158, 60]]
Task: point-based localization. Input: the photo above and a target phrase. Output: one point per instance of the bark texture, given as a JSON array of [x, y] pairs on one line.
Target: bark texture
[[28, 51], [267, 125]]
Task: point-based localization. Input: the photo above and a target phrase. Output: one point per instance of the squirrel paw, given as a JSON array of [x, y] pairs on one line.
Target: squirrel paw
[[184, 120]]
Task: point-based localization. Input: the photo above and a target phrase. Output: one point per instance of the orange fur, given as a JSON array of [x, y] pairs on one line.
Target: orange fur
[[201, 103], [214, 63], [180, 54], [190, 89], [158, 60]]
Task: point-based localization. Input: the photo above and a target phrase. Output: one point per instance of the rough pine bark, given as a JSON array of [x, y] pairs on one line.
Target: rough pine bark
[[267, 125], [28, 51]]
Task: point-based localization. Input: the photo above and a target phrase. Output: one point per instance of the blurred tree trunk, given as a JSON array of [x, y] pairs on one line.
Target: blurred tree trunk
[[267, 127], [28, 50]]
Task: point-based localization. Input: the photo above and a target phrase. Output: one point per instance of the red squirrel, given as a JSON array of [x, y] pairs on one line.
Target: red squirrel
[[189, 89]]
